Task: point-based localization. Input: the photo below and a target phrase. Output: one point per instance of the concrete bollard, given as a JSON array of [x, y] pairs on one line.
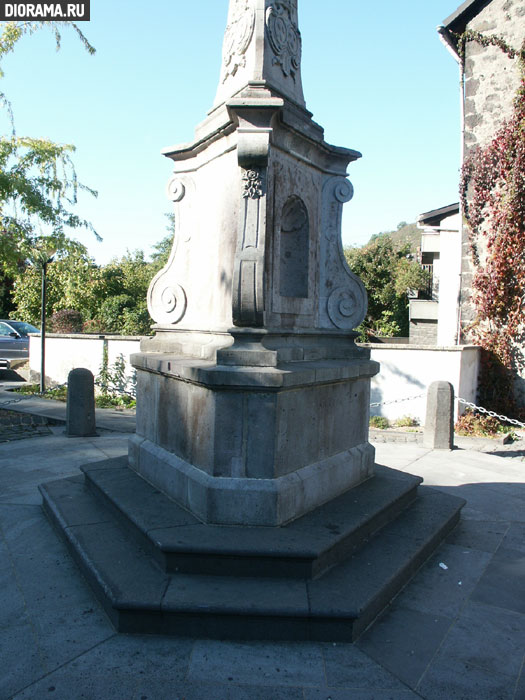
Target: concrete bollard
[[439, 421], [80, 411]]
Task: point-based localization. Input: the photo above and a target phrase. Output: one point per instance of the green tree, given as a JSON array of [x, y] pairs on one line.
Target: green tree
[[71, 276], [121, 292], [38, 182], [387, 272], [162, 249]]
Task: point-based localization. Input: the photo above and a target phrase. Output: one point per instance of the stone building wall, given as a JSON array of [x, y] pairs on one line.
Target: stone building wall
[[491, 81], [491, 77], [423, 332]]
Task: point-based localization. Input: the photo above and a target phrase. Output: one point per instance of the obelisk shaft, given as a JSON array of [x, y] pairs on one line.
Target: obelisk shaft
[[262, 46]]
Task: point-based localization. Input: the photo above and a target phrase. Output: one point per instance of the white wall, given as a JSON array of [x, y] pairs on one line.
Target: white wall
[[408, 370], [67, 352], [449, 280]]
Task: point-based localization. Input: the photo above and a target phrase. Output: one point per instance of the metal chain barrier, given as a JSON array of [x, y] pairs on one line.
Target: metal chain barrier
[[7, 403], [386, 403], [492, 414], [469, 404], [24, 397]]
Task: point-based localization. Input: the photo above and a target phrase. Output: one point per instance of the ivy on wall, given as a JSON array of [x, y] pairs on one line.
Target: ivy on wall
[[492, 192]]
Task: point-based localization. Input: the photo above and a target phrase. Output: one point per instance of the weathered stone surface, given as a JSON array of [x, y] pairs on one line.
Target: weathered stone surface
[[252, 396], [492, 78], [80, 414], [439, 421]]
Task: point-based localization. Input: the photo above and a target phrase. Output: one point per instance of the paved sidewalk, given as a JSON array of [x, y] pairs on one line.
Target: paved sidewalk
[[456, 631], [122, 421]]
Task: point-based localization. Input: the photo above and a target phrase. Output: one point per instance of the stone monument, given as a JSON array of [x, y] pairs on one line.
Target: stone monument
[[253, 397], [249, 505]]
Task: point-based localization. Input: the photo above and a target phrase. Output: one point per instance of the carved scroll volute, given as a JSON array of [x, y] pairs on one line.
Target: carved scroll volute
[[167, 299], [343, 298], [253, 147]]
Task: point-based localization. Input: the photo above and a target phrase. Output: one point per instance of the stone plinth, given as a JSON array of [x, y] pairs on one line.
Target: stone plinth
[[252, 445]]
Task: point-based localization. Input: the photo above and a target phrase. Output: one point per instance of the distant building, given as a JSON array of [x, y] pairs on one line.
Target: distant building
[[434, 315]]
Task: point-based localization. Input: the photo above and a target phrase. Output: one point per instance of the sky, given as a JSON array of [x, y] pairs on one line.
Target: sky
[[375, 75]]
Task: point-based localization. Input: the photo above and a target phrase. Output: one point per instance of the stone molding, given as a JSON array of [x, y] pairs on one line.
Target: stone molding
[[245, 501]]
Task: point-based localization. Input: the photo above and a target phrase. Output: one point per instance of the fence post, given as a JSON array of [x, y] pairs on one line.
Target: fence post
[[80, 410], [439, 420]]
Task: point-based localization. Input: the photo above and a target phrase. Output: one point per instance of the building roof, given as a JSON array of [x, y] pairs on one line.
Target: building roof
[[434, 217], [457, 22]]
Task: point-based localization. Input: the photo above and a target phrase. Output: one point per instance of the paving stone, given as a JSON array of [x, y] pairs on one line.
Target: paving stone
[[12, 601], [520, 688], [451, 680], [404, 641], [483, 535], [488, 638], [439, 591], [348, 667], [21, 472], [62, 685], [46, 574], [291, 664], [369, 694], [20, 660], [136, 656], [515, 537], [503, 583], [492, 501], [199, 690]]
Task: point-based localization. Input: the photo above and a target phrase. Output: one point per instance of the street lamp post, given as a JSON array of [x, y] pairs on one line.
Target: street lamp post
[[43, 256], [43, 328]]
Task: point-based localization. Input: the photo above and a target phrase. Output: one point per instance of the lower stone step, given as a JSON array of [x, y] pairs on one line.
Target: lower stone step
[[141, 597], [304, 548]]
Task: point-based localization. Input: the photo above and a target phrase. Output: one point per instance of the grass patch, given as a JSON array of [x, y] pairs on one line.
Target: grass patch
[[60, 394], [379, 422], [406, 422]]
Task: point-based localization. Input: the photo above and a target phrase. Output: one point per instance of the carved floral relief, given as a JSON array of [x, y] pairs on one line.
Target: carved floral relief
[[253, 185], [284, 37], [237, 38]]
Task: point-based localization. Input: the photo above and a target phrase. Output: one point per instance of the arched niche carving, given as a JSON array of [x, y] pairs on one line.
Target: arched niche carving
[[294, 249]]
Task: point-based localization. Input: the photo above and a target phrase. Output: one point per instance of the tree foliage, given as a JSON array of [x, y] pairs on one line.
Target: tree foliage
[[388, 272], [38, 182], [108, 299]]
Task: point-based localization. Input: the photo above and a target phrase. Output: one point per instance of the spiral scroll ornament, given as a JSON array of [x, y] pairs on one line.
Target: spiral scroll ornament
[[166, 304], [176, 189], [343, 191], [345, 307]]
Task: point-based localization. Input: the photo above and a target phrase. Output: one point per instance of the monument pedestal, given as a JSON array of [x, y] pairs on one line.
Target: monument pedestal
[[255, 445]]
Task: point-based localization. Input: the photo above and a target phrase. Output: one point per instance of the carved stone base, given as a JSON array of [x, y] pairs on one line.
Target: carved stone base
[[251, 502], [255, 347], [252, 445]]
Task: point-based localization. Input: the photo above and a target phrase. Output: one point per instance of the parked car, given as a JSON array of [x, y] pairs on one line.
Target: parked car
[[14, 343]]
